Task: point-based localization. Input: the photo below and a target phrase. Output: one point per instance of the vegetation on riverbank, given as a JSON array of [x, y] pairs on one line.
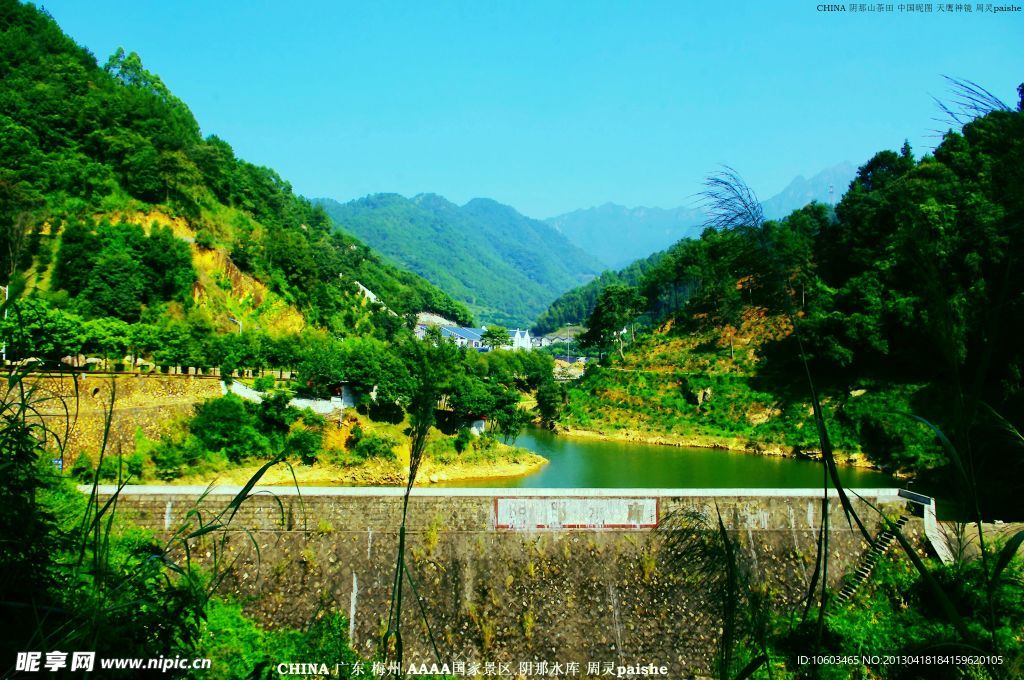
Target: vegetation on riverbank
[[902, 305], [697, 441], [707, 389], [228, 440]]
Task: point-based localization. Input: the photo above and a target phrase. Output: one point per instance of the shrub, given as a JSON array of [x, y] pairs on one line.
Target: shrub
[[375, 446], [275, 412], [463, 439], [224, 424], [354, 436], [135, 464], [482, 449], [264, 383], [168, 459], [204, 239], [83, 470], [110, 468], [443, 450], [305, 444], [313, 420]]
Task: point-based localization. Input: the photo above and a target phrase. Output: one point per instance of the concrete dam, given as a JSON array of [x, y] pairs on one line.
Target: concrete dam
[[507, 576]]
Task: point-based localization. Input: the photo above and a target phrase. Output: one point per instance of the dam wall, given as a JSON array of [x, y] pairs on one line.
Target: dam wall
[[515, 575]]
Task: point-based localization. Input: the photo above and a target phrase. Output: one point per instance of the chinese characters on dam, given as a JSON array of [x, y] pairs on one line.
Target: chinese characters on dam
[[575, 513]]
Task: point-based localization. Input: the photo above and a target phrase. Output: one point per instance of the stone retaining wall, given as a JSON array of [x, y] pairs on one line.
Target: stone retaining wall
[[503, 595], [76, 406]]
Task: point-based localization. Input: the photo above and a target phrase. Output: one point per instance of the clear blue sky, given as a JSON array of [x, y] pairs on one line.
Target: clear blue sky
[[551, 106]]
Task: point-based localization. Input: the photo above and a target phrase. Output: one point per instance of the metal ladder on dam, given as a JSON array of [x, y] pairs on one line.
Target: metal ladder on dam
[[869, 560]]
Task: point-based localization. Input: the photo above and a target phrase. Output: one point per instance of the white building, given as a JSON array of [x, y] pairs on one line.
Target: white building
[[473, 337], [521, 339]]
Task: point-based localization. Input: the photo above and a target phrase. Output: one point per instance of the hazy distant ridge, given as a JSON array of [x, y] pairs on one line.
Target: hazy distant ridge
[[801, 191], [617, 235]]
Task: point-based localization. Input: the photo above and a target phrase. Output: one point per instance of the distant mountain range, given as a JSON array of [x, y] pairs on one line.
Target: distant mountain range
[[828, 186], [617, 235], [507, 267]]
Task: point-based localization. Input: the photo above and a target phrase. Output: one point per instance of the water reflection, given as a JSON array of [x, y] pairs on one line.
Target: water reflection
[[591, 463]]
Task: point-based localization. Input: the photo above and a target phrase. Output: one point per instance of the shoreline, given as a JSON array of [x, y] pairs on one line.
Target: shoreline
[[731, 444], [372, 473], [528, 464]]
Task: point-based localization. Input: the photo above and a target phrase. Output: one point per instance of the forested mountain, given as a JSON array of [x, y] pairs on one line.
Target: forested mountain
[[617, 235], [113, 205], [505, 266], [576, 305], [908, 298]]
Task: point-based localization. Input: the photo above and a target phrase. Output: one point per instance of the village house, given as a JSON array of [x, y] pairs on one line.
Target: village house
[[521, 339], [548, 340], [473, 337]]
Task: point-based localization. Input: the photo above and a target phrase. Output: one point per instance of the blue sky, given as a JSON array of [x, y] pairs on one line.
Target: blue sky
[[551, 106]]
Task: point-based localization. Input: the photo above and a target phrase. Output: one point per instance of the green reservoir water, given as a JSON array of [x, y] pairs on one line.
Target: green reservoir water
[[590, 463]]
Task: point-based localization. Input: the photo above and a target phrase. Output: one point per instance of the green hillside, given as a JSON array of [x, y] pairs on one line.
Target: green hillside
[[576, 305], [908, 301], [114, 205], [504, 266]]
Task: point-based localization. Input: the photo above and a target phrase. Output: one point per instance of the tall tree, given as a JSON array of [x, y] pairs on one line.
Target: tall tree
[[115, 285], [616, 307], [496, 337]]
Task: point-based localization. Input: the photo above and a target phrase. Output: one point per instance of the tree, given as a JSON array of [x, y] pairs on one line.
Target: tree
[[108, 336], [537, 369], [730, 311], [496, 337], [167, 265], [550, 400], [471, 397], [510, 420], [16, 204], [283, 351], [225, 425], [76, 257], [320, 362], [115, 285], [616, 307], [142, 174], [143, 339], [33, 329]]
